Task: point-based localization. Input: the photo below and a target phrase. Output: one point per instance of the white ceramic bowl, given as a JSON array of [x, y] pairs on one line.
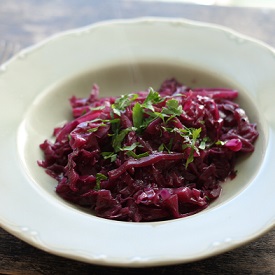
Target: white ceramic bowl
[[125, 56]]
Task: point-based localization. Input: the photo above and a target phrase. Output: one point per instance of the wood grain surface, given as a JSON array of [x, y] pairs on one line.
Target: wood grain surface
[[30, 21]]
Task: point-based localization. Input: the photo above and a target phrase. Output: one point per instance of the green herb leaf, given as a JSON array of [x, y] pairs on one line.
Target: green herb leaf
[[118, 138], [153, 97], [202, 145], [161, 115], [185, 146], [137, 115], [191, 136], [220, 142], [97, 108], [131, 153], [92, 130], [112, 121], [109, 155], [168, 129], [190, 158], [137, 156], [172, 108], [122, 102], [99, 178], [169, 147], [115, 125], [161, 148], [195, 134], [132, 147], [95, 120]]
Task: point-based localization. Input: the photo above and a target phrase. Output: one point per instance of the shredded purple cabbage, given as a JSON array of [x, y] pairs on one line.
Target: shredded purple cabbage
[[149, 156]]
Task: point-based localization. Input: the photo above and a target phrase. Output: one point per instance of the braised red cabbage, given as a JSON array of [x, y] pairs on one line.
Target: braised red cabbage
[[151, 155]]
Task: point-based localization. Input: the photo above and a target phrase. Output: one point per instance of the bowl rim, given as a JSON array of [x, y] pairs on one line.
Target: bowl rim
[[31, 236]]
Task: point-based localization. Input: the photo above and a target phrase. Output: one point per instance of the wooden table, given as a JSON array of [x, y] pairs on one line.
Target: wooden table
[[23, 23]]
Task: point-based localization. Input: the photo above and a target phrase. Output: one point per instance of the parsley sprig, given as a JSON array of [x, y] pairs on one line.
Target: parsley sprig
[[190, 137], [122, 102]]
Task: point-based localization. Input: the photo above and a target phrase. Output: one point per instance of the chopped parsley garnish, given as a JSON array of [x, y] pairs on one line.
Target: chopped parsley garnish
[[99, 178], [153, 97], [123, 102], [143, 113], [119, 136], [131, 147], [101, 107], [190, 136], [109, 155], [137, 156], [220, 142], [130, 151], [94, 129], [172, 108], [137, 115]]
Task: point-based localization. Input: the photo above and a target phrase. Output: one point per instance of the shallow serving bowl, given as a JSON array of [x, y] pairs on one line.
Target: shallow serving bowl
[[122, 57]]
